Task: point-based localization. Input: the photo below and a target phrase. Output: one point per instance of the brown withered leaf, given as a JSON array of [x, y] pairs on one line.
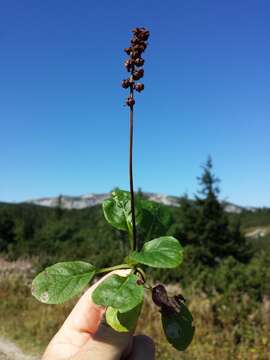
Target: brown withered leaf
[[168, 304]]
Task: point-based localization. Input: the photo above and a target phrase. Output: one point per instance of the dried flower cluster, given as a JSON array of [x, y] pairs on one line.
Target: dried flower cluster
[[135, 62]]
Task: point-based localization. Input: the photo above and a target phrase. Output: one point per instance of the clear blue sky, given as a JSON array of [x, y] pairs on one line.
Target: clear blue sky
[[64, 128]]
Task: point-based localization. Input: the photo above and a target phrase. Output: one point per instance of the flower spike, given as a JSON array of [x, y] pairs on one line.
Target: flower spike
[[135, 63]]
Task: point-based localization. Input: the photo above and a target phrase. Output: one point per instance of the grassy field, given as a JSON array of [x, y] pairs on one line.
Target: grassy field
[[226, 328]]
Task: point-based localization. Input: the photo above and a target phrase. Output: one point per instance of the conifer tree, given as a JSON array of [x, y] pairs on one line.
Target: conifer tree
[[7, 226], [205, 224]]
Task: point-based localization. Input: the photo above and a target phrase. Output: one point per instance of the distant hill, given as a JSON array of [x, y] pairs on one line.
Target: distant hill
[[78, 227], [92, 199]]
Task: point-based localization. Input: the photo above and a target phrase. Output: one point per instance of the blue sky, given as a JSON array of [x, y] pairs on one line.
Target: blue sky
[[63, 126]]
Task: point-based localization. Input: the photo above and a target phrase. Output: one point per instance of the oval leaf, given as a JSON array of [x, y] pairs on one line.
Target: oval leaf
[[156, 219], [62, 281], [123, 322], [121, 293], [164, 252], [178, 328], [117, 210]]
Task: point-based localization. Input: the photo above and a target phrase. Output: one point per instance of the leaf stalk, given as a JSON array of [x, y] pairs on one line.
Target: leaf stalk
[[112, 268]]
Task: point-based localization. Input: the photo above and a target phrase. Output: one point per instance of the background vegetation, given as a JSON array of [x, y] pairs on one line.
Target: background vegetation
[[225, 277]]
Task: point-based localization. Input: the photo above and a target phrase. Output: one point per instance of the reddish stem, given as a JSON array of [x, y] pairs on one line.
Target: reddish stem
[[131, 175]]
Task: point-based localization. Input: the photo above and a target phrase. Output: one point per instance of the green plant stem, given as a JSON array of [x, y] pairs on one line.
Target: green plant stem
[[134, 242], [117, 267]]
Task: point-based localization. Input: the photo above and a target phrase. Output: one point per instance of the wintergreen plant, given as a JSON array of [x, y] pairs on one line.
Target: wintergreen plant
[[123, 296]]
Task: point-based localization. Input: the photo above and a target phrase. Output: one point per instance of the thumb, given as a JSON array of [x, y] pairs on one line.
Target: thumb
[[85, 334], [106, 343]]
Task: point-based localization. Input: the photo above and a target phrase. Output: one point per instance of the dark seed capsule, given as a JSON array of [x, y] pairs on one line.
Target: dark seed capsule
[[128, 64], [128, 50], [138, 74], [130, 101], [134, 55], [140, 47], [125, 83], [136, 30], [135, 41], [139, 87], [143, 35], [139, 282], [139, 62]]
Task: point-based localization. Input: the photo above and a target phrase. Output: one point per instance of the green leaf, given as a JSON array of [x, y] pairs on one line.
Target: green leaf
[[178, 328], [156, 219], [121, 293], [123, 322], [117, 210], [62, 281], [164, 252]]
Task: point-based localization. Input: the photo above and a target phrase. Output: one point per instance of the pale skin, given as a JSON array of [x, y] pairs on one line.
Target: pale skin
[[85, 336]]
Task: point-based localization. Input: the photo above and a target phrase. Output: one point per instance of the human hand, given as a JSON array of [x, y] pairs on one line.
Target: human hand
[[84, 336]]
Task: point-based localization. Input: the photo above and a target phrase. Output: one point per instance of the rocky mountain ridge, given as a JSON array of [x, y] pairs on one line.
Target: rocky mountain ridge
[[92, 199]]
